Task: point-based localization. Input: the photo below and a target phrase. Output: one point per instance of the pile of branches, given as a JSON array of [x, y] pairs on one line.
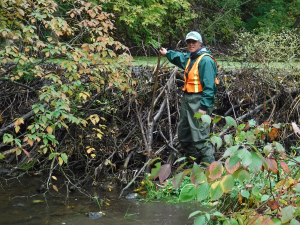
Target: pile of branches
[[131, 136]]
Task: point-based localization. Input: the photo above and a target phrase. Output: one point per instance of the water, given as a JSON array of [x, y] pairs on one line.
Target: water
[[17, 207]]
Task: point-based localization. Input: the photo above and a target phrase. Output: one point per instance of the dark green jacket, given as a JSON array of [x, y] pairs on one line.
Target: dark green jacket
[[207, 73]]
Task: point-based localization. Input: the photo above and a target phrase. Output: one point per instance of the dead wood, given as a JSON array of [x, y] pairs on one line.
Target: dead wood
[[10, 126]]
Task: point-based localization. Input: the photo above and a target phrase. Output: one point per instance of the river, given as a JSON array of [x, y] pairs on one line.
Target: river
[[20, 203]]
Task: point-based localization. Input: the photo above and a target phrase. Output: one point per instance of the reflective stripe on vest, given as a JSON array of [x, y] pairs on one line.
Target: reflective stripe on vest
[[192, 80]]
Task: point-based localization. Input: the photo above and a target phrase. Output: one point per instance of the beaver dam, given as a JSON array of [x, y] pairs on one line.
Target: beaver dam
[[118, 140]]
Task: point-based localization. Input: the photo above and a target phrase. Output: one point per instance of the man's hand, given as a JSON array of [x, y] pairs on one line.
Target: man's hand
[[163, 51], [202, 112]]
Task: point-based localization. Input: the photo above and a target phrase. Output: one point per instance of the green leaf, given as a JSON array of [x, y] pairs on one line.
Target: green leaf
[[279, 147], [256, 190], [252, 123], [227, 183], [233, 222], [243, 176], [234, 159], [231, 150], [250, 136], [154, 171], [200, 177], [52, 155], [245, 194], [178, 160], [256, 163], [230, 121], [265, 198], [240, 136], [216, 191], [194, 213], [287, 214], [188, 193], [45, 140], [245, 155], [202, 191], [192, 158], [218, 214], [152, 161], [216, 120], [198, 115], [206, 119], [64, 157], [216, 141], [294, 222], [200, 220], [228, 139], [267, 149], [44, 119], [3, 156], [276, 221], [241, 126], [291, 163], [181, 166], [227, 222], [35, 109]]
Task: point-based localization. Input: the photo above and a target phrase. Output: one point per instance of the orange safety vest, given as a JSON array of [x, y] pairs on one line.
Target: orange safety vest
[[192, 80]]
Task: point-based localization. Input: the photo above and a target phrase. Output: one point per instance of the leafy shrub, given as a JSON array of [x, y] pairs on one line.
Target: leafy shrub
[[87, 60], [255, 175], [267, 46]]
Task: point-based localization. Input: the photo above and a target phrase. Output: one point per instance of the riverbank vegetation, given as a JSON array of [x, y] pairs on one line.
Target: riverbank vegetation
[[73, 101]]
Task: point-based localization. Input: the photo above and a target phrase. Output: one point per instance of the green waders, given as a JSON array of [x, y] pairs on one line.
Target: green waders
[[194, 139]]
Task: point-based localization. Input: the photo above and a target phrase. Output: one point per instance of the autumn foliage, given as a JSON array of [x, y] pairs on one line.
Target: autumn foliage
[[257, 181]]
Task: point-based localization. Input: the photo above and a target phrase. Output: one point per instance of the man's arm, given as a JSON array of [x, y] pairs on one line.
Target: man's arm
[[207, 72], [177, 58]]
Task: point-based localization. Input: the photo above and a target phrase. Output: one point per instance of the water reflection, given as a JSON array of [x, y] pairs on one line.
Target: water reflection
[[20, 203]]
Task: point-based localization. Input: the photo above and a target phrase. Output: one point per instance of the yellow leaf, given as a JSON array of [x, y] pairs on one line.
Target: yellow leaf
[[94, 118], [47, 54], [283, 201], [49, 130], [30, 142], [214, 185], [17, 129], [109, 189], [93, 155], [90, 150], [54, 177], [107, 203], [20, 11], [55, 188], [60, 161]]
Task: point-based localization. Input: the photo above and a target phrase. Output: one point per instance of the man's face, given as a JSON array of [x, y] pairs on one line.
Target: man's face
[[193, 45]]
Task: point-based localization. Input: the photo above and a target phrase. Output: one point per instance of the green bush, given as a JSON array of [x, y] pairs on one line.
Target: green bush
[[267, 46]]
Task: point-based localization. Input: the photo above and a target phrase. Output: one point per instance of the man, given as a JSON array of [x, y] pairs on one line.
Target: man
[[198, 96]]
